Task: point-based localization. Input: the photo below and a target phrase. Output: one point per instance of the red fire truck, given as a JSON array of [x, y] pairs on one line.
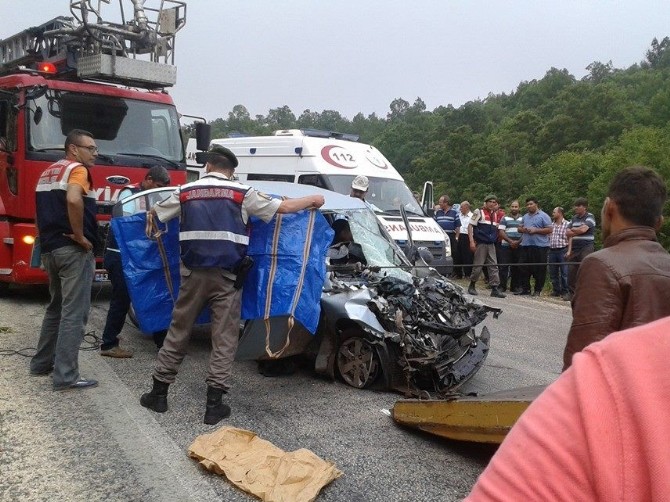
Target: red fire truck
[[83, 72]]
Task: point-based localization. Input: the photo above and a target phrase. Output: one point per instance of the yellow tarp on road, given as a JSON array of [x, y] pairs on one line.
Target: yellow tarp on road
[[262, 469]]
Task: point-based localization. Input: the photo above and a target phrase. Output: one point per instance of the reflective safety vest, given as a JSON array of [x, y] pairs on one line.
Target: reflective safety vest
[[486, 229], [51, 203], [212, 232]]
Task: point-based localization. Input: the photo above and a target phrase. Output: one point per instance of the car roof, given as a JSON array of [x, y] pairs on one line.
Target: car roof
[[333, 200]]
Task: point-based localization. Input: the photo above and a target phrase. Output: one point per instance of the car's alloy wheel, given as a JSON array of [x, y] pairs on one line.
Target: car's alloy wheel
[[357, 362]]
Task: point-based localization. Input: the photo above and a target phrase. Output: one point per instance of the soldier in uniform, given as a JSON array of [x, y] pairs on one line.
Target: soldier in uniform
[[214, 235]]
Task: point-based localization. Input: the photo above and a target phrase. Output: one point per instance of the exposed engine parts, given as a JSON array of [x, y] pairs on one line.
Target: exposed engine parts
[[428, 328]]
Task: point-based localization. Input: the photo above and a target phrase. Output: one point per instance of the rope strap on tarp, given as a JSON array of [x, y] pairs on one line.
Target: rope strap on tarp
[[155, 233], [299, 286]]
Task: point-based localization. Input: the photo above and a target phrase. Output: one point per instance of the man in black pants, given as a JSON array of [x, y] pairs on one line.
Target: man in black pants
[[463, 257], [509, 250], [581, 230], [535, 229], [119, 304]]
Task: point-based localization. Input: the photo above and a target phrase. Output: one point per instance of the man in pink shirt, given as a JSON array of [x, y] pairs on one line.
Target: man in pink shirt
[[597, 433]]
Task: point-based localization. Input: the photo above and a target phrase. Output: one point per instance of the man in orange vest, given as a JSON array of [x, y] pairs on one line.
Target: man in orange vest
[[68, 232]]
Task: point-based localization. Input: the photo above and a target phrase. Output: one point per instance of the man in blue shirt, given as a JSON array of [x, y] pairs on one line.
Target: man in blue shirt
[[535, 229], [447, 217]]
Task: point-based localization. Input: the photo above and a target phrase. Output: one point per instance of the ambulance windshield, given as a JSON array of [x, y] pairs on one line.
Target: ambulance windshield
[[384, 194]]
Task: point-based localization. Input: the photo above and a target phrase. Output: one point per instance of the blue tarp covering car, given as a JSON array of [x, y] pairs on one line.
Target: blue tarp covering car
[[285, 280]]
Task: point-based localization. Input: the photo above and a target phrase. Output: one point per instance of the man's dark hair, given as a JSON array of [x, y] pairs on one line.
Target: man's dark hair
[[340, 225], [159, 174], [220, 162], [581, 201], [532, 199], [639, 193], [74, 135], [446, 198]]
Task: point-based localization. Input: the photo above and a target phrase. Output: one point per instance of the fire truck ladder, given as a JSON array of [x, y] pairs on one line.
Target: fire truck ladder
[[101, 50], [30, 45]]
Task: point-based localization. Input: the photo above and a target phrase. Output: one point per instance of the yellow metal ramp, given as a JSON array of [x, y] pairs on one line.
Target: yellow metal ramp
[[482, 419]]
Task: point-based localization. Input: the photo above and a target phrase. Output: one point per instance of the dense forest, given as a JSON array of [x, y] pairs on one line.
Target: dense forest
[[556, 138]]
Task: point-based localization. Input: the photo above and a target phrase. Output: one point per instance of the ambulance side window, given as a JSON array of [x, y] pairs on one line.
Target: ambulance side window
[[314, 180], [270, 177]]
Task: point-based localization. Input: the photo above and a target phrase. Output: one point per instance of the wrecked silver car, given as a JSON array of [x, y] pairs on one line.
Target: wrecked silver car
[[383, 321]]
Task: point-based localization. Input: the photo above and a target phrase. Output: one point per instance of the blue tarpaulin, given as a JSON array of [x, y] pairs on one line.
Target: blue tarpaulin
[[144, 271], [151, 299], [290, 289]]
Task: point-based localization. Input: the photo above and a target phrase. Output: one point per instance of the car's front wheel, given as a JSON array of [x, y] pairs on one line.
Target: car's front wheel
[[357, 361]]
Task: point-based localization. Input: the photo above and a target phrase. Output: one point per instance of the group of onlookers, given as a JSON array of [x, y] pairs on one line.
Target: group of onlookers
[[594, 434], [512, 249]]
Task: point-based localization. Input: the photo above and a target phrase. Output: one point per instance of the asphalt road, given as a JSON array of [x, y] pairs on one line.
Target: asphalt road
[[100, 444]]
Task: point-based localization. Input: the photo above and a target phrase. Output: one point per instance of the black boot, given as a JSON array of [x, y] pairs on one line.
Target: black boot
[[216, 410], [156, 399], [471, 288], [496, 293]]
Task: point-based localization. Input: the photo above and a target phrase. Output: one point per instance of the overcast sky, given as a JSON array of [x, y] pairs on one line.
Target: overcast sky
[[359, 55]]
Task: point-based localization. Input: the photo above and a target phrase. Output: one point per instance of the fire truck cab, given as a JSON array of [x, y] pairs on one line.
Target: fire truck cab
[[106, 78]]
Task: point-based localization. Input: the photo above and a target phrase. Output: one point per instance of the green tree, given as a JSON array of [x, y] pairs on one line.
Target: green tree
[[599, 72], [659, 56], [280, 118], [239, 120], [398, 109]]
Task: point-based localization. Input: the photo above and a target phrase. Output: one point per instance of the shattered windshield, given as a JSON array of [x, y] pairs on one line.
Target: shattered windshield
[[378, 248], [386, 194], [119, 126]]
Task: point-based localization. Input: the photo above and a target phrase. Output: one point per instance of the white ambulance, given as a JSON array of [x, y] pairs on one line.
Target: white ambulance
[[331, 161]]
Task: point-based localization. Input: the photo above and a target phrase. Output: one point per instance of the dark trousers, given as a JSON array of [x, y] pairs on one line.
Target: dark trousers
[[577, 256], [558, 270], [463, 257], [118, 304], [453, 245], [536, 257], [507, 254]]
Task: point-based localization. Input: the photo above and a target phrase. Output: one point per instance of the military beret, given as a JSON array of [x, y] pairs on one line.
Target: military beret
[[223, 152]]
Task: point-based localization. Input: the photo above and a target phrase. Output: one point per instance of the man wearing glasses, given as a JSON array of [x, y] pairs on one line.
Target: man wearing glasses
[[67, 228]]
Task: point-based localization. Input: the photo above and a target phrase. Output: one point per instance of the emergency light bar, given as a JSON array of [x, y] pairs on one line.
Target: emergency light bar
[[46, 67]]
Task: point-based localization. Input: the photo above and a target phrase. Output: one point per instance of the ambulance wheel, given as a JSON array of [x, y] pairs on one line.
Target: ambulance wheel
[[357, 361]]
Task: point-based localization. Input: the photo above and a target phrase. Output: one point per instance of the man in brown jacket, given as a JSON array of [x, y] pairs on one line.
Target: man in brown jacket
[[627, 283]]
